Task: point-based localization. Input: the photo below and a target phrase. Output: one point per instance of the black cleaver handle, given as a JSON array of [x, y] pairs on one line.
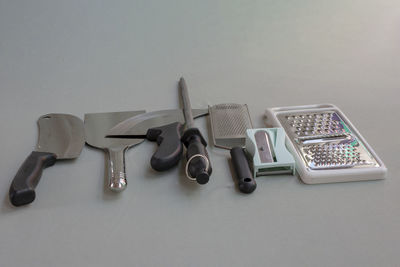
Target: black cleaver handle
[[22, 190], [170, 149]]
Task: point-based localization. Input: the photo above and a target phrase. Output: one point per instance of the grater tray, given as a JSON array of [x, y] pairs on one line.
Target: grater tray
[[327, 147]]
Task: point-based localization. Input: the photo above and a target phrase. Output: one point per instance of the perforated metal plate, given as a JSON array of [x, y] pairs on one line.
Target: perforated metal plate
[[229, 123], [325, 141]]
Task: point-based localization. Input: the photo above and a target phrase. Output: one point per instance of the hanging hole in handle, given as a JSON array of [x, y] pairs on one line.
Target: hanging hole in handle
[[247, 180]]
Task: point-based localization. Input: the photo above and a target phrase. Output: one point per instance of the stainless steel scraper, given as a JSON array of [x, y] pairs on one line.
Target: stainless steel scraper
[[61, 136], [96, 127]]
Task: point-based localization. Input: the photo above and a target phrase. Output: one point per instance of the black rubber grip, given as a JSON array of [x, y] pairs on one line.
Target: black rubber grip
[[199, 166], [22, 189], [170, 149], [244, 176]]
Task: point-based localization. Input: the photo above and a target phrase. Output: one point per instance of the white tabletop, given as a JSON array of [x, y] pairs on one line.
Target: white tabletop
[[97, 56]]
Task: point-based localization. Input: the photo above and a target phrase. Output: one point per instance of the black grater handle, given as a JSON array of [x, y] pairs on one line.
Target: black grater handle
[[244, 176]]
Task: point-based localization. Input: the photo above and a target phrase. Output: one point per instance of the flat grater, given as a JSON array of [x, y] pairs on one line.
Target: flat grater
[[326, 146], [326, 141], [229, 123]]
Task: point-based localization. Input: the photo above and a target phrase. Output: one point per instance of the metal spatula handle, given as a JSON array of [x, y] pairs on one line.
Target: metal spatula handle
[[116, 169]]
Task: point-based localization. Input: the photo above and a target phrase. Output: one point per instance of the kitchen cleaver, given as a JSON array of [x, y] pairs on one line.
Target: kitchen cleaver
[[61, 136], [96, 127]]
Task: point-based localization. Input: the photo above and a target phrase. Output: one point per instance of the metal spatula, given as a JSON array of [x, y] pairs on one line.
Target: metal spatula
[[96, 127]]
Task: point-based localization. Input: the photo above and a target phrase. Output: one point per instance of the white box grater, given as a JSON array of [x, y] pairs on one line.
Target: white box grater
[[326, 146]]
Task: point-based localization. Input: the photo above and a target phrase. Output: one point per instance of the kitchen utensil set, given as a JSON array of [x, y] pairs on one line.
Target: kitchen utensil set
[[317, 142]]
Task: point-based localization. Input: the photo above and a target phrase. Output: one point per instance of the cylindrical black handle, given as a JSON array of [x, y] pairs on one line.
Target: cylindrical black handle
[[244, 176], [22, 189], [170, 149], [198, 162]]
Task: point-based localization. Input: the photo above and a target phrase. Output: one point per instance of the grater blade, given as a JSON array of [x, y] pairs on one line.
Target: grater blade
[[325, 141], [317, 126], [229, 123], [335, 155], [263, 143]]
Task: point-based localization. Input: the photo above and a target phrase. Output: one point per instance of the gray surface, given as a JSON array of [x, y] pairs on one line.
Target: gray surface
[[97, 56]]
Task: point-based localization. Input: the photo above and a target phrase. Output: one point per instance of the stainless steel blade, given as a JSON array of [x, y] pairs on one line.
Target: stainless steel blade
[[264, 146], [96, 127], [61, 134], [98, 124], [138, 125]]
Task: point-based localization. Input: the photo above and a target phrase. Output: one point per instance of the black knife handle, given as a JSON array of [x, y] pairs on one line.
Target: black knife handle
[[22, 189], [244, 176], [170, 149], [198, 164]]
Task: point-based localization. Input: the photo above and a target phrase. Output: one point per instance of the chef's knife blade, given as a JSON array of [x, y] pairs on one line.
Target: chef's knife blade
[[61, 136], [137, 126]]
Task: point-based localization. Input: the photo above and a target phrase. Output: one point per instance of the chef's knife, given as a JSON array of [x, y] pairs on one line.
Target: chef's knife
[[164, 127], [139, 124], [61, 136]]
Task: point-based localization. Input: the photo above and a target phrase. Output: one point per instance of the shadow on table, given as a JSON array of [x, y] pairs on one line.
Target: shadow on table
[[7, 207]]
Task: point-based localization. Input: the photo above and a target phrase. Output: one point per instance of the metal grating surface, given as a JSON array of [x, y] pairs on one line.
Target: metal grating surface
[[325, 141], [229, 122]]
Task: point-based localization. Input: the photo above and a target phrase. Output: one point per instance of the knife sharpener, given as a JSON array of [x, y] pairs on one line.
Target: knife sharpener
[[326, 146], [268, 151]]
